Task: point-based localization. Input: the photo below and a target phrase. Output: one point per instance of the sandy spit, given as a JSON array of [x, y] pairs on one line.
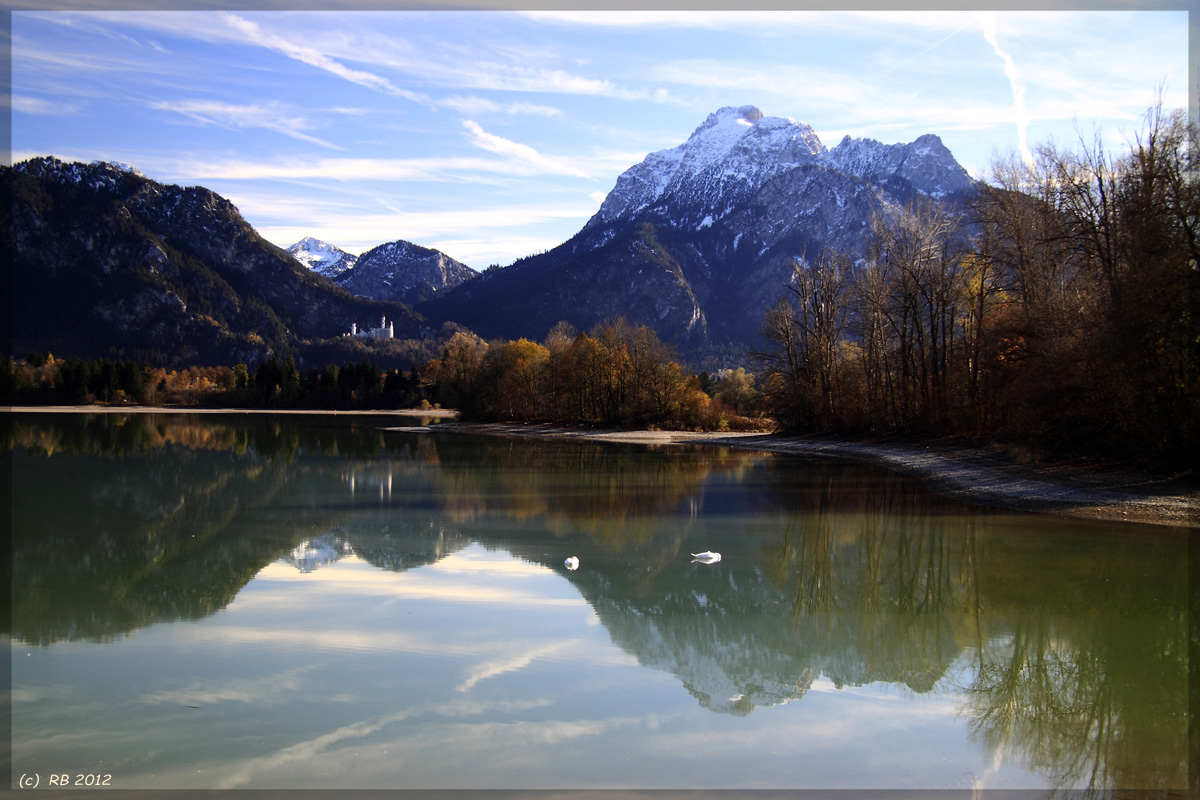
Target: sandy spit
[[971, 474]]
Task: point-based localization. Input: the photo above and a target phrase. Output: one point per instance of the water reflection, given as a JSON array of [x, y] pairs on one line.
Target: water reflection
[[1086, 681], [1066, 643]]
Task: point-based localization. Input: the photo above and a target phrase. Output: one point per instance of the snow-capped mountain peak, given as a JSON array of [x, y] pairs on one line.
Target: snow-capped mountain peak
[[322, 257], [718, 134], [729, 156], [698, 240], [925, 162]]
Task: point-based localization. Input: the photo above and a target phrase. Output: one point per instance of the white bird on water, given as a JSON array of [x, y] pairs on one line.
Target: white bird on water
[[571, 563], [707, 557]]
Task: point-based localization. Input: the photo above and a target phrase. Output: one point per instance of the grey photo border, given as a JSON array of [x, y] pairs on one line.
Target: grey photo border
[[8, 7]]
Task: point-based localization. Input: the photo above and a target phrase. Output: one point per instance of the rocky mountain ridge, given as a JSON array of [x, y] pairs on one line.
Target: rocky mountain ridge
[[106, 262], [404, 272], [696, 241]]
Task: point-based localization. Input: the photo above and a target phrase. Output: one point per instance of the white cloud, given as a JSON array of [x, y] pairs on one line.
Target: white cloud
[[40, 107], [460, 235], [379, 41], [479, 253], [385, 587], [518, 153], [486, 66], [309, 749], [267, 116], [499, 666], [423, 225], [511, 741], [37, 56], [276, 689], [723, 19], [474, 565], [481, 105], [313, 57], [855, 100], [338, 641], [446, 168]]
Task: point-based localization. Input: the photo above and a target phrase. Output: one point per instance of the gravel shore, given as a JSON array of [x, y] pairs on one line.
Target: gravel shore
[[975, 475]]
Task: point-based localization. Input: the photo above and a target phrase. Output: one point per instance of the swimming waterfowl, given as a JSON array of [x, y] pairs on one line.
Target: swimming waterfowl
[[707, 557], [571, 563]]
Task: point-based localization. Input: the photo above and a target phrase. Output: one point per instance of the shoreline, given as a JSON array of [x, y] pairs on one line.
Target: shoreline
[[437, 413], [971, 474]]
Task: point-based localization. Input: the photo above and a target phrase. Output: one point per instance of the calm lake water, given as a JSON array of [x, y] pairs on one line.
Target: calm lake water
[[251, 601]]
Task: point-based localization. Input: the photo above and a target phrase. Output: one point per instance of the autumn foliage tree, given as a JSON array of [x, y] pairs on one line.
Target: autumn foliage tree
[[616, 374], [1061, 308]]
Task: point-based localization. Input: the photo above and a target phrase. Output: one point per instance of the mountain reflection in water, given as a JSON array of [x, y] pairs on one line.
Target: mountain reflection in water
[[1066, 641]]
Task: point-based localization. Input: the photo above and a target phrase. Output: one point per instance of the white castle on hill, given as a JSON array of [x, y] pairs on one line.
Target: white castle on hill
[[384, 331]]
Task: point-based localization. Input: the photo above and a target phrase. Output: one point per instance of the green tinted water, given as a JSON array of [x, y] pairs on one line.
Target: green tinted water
[[263, 602]]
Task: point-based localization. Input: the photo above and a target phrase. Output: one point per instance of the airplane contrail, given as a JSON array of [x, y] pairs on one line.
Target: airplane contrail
[[1021, 117]]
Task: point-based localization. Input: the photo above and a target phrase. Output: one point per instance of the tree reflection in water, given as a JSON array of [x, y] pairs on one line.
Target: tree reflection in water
[[1078, 635], [1067, 642], [1086, 681]]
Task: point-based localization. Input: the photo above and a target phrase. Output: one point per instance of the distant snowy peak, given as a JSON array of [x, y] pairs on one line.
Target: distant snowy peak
[[321, 257], [404, 272]]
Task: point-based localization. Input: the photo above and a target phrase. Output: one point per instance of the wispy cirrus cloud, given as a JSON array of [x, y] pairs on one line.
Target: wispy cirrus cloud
[[769, 21], [503, 67], [480, 253], [439, 168], [492, 667], [270, 690], [852, 99], [448, 230], [517, 153], [315, 58], [378, 42], [475, 106], [41, 107], [254, 115]]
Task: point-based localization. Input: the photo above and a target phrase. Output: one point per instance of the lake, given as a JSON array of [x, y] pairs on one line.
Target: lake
[[268, 601]]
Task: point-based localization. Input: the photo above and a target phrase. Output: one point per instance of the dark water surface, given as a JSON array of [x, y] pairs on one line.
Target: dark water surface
[[262, 601]]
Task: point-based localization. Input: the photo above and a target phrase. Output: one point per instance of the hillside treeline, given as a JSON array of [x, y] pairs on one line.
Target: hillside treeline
[[1062, 309], [41, 379], [617, 374]]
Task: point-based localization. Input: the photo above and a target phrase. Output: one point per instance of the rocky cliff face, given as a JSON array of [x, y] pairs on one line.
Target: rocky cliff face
[[106, 262], [404, 272], [725, 214]]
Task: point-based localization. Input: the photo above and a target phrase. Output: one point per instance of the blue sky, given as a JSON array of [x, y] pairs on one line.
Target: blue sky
[[495, 134]]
